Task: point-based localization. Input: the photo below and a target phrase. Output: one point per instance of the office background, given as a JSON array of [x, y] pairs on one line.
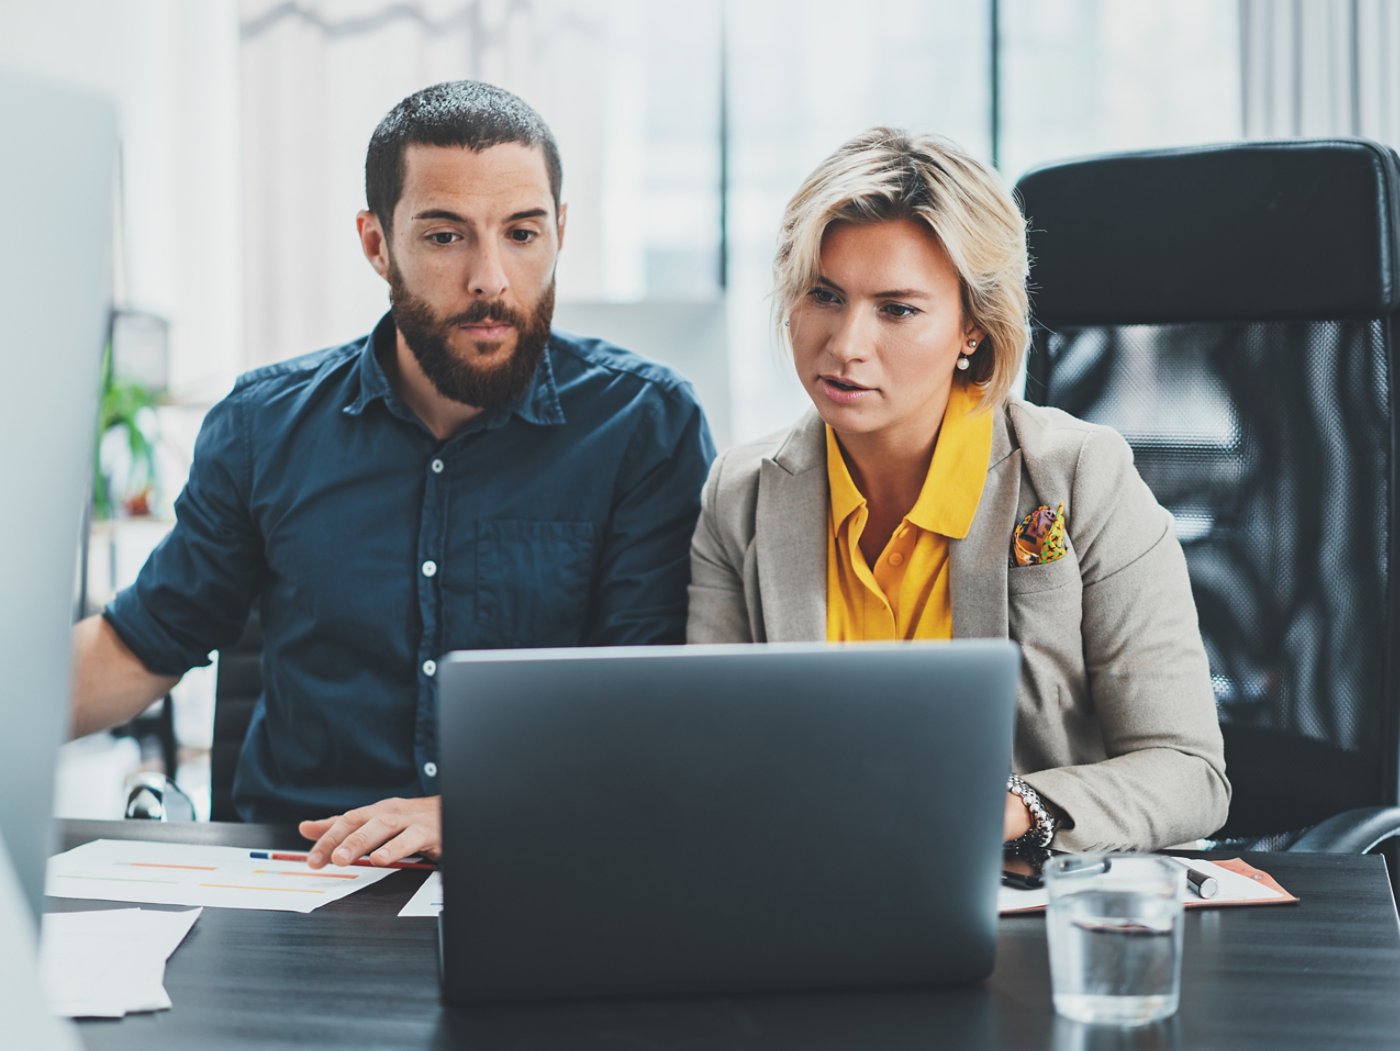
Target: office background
[[684, 127]]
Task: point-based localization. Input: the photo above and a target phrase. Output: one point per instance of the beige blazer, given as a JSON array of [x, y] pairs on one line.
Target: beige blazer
[[1116, 720]]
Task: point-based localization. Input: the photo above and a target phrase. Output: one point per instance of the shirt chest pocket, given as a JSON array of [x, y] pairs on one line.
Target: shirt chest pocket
[[534, 580]]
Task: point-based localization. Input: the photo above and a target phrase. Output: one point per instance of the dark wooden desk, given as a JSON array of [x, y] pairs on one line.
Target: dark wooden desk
[[1324, 973]]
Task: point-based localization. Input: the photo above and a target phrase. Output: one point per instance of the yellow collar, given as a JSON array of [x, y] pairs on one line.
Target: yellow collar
[[956, 475]]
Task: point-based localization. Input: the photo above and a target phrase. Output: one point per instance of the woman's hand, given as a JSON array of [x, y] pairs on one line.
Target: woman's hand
[[1017, 821]]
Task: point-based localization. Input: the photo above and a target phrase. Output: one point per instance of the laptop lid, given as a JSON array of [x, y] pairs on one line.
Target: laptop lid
[[661, 820]]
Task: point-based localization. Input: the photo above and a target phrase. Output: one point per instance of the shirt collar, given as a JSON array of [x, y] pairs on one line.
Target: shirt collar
[[956, 475], [538, 403], [374, 384], [846, 499], [958, 470]]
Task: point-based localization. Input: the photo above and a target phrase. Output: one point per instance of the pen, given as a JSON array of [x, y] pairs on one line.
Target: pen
[[1202, 886], [1084, 866], [365, 862]]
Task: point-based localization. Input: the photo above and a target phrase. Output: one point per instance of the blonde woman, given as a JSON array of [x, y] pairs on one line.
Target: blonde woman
[[921, 500]]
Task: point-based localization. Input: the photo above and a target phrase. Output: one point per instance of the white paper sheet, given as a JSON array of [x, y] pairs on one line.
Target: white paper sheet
[[427, 899], [182, 874], [109, 963], [1234, 889]]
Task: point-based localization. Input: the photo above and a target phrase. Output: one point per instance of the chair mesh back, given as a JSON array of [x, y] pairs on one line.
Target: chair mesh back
[[1271, 444]]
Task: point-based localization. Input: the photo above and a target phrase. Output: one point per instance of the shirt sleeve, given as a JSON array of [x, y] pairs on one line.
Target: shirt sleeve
[[645, 558], [194, 592]]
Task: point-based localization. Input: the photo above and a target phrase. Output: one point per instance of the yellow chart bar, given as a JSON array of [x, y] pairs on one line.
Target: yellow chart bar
[[187, 868], [275, 890], [118, 879]]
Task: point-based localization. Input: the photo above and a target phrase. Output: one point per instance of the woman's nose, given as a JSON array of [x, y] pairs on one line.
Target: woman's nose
[[850, 338]]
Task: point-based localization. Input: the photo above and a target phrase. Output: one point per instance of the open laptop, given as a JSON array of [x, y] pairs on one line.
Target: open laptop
[[667, 820]]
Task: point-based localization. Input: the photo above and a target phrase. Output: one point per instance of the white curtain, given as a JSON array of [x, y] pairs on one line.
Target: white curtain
[[1320, 67], [317, 76]]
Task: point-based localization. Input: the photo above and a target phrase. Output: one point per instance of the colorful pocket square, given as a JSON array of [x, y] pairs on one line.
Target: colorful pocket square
[[1040, 538]]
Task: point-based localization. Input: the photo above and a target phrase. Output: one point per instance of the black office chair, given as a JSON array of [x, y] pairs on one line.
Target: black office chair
[[154, 733], [1234, 311], [237, 686]]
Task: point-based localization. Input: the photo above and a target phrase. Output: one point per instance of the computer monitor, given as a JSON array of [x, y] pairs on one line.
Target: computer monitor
[[56, 189]]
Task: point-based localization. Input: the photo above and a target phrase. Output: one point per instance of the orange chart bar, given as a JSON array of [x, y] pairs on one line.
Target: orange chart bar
[[302, 875]]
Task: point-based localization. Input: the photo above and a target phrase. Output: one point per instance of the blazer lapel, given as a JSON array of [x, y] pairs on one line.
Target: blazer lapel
[[977, 562], [791, 540]]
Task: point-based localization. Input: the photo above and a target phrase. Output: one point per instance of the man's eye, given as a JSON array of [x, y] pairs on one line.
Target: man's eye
[[444, 237], [523, 236]]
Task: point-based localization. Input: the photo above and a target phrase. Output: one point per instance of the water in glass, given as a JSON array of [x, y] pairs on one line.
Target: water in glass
[[1114, 955]]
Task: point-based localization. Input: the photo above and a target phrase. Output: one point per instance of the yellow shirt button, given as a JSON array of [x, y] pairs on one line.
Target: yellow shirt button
[[896, 559]]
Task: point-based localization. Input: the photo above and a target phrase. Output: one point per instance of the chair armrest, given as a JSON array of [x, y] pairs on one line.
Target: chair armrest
[[151, 797], [1350, 832]]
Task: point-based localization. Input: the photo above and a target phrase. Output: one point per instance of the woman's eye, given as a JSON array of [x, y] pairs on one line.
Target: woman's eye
[[444, 237], [824, 296], [900, 310]]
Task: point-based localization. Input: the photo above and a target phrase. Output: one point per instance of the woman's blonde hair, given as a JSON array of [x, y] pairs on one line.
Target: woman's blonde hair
[[887, 174]]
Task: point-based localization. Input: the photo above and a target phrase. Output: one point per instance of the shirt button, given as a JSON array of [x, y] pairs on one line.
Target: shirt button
[[430, 668], [430, 568], [896, 559], [430, 769], [436, 466]]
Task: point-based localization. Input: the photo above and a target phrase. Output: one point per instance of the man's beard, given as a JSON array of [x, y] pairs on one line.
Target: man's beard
[[456, 375]]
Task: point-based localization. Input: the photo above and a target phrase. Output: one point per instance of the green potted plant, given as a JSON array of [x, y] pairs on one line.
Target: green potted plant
[[128, 408]]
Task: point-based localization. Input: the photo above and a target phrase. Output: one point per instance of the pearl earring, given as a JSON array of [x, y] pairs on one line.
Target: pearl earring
[[963, 360]]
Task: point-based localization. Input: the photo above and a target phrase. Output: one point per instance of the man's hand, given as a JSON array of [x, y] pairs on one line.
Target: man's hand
[[387, 831]]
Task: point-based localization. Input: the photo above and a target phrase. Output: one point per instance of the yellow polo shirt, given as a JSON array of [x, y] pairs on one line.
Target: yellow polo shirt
[[905, 594]]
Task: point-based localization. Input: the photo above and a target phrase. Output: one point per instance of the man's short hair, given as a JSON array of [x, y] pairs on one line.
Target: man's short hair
[[455, 113]]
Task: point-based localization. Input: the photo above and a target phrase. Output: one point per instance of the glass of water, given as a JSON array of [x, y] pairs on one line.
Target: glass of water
[[1114, 925]]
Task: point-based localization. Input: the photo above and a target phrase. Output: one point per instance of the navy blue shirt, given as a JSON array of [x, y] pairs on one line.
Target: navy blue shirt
[[373, 549]]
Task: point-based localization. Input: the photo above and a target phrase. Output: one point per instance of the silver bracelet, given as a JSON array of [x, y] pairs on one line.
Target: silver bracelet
[[1042, 829]]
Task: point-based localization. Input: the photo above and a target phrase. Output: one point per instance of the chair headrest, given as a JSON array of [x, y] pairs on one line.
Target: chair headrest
[[1256, 231]]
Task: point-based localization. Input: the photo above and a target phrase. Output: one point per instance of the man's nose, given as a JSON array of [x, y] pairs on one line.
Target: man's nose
[[486, 277]]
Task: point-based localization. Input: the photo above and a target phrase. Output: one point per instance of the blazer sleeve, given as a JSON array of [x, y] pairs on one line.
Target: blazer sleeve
[[1163, 779], [718, 610]]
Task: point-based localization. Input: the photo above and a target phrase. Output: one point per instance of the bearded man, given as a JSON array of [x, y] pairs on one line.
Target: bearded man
[[462, 477]]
